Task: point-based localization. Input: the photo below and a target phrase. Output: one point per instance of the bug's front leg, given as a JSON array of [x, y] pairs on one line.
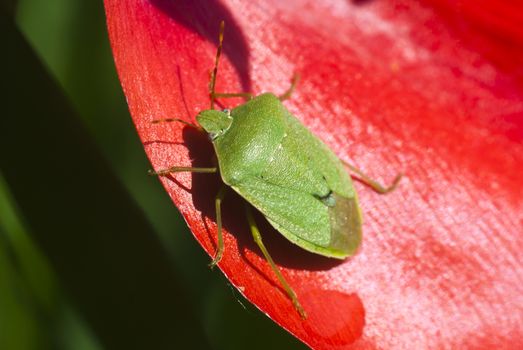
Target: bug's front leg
[[376, 186], [179, 169], [258, 239], [246, 95]]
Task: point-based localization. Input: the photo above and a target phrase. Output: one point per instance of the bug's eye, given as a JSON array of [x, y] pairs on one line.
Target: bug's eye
[[214, 135], [227, 111]]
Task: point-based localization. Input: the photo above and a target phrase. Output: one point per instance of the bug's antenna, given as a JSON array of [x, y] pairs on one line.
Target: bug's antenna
[[212, 83]]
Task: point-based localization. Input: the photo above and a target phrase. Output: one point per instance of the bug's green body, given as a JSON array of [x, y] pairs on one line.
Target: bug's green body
[[274, 162]]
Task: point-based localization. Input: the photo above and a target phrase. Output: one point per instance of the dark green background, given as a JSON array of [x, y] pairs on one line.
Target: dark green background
[[58, 64]]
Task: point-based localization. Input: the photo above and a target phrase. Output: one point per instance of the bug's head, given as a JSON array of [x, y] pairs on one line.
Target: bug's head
[[214, 122]]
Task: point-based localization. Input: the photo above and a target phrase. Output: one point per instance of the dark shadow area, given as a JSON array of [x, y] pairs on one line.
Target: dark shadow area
[[182, 92], [9, 6], [203, 17], [99, 243]]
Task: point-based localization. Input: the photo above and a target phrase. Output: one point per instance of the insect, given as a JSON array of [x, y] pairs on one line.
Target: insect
[[279, 167]]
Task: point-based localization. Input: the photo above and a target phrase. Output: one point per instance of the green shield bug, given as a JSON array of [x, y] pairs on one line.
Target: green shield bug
[[279, 167]]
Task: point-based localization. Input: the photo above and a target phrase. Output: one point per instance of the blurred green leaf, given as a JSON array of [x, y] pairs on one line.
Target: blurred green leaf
[[19, 329], [96, 239]]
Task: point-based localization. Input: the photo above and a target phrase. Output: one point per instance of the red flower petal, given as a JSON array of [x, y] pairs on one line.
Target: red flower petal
[[430, 89]]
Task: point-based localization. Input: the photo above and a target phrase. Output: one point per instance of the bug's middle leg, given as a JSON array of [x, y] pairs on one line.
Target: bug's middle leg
[[376, 186], [258, 239]]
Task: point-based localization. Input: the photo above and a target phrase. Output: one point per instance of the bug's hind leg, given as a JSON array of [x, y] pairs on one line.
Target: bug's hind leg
[[218, 206], [258, 239], [376, 186], [287, 94]]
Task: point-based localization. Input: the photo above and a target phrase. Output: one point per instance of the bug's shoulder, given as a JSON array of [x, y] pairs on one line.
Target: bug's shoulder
[[263, 107]]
